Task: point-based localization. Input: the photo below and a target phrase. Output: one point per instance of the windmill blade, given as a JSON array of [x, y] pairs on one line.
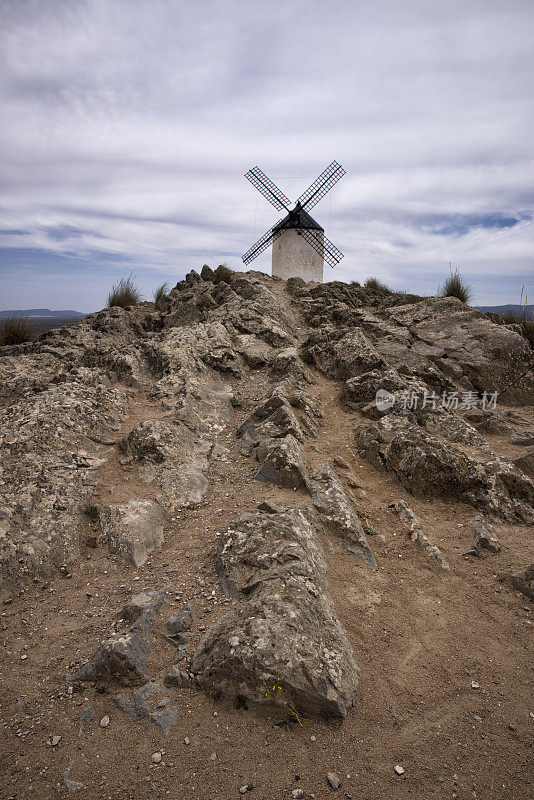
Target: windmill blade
[[262, 243], [323, 245], [322, 185], [268, 189]]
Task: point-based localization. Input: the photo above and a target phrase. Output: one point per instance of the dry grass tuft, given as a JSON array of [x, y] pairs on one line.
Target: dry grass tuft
[[521, 317], [160, 296], [16, 330], [224, 273], [376, 286], [455, 286], [124, 293]]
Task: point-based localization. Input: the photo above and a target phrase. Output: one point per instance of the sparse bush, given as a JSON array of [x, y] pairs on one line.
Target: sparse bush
[[235, 402], [356, 284], [455, 286], [421, 416], [224, 273], [91, 511], [16, 330], [275, 691], [124, 293], [160, 296], [377, 286]]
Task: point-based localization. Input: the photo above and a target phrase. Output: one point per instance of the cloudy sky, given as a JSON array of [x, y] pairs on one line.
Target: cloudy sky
[[127, 126]]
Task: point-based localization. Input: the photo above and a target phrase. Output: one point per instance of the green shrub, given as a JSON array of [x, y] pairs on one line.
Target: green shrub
[[421, 415], [356, 284], [124, 293], [455, 286], [377, 286], [224, 273], [160, 296], [16, 330], [235, 401]]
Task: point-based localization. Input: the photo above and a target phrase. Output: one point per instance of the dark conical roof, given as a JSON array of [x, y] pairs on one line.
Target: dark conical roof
[[298, 218]]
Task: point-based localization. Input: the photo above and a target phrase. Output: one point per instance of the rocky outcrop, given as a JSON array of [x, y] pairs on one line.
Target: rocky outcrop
[[272, 434], [149, 702], [336, 512], [133, 529], [418, 535], [424, 465], [123, 656], [343, 353], [442, 341], [484, 535], [173, 457], [47, 472], [526, 463], [283, 632], [523, 581]]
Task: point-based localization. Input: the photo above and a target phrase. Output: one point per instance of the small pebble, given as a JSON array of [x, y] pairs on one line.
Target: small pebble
[[243, 789], [475, 685], [187, 740], [334, 780], [313, 738], [398, 769], [23, 658], [512, 727], [213, 757], [156, 758], [104, 722], [55, 740], [297, 793]]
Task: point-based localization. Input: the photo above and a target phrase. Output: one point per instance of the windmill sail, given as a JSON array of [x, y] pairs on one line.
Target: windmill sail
[[321, 185], [268, 189], [322, 245], [263, 243]]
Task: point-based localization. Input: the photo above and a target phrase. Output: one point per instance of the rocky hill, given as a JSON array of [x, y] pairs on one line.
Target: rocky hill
[[228, 570]]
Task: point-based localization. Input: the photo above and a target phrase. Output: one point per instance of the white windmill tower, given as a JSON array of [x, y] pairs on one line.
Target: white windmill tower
[[300, 247]]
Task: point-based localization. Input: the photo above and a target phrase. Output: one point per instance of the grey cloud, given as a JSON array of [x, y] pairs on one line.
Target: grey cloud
[[128, 126]]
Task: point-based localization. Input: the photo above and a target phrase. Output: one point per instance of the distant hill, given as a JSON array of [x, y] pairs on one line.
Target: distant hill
[[42, 312], [507, 307]]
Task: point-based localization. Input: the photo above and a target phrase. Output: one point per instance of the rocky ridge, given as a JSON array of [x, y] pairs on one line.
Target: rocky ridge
[[142, 396]]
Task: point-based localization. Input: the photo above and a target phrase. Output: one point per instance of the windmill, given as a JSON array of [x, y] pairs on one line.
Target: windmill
[[300, 247]]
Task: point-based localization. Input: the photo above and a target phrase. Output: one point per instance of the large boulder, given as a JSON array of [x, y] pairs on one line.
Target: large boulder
[[343, 353], [283, 632], [133, 529], [523, 581], [272, 434], [123, 656]]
